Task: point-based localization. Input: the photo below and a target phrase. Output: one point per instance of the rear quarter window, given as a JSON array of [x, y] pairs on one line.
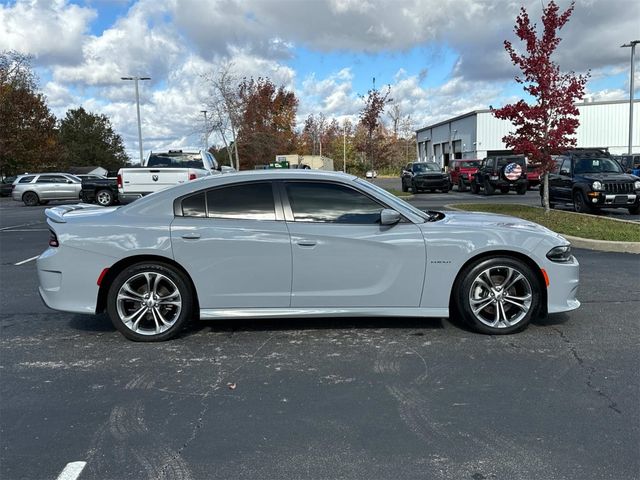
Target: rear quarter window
[[28, 179]]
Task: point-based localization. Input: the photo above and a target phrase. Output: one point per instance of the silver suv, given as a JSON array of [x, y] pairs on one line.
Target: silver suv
[[39, 188]]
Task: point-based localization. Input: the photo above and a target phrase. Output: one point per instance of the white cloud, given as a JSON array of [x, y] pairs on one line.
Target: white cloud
[[51, 30]]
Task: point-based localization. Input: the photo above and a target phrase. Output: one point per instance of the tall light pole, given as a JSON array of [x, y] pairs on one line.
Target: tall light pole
[[206, 132], [136, 79], [344, 147], [631, 44]]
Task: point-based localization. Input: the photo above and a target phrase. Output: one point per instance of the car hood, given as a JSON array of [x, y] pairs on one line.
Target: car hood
[[474, 220], [608, 177]]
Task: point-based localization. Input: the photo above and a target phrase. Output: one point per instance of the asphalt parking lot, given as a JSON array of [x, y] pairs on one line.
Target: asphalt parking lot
[[319, 399]]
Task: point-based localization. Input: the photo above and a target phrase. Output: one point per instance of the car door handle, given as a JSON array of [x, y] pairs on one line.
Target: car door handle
[[306, 243], [191, 236]]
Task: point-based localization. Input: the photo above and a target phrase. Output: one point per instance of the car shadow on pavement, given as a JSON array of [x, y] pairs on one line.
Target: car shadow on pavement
[[91, 323], [334, 323], [551, 320]]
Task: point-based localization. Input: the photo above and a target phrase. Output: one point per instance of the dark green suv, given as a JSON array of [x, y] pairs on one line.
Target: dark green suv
[[501, 173]]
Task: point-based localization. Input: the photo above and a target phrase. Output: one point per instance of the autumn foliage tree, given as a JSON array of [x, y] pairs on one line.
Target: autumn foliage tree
[[268, 121], [374, 104], [28, 136], [546, 126]]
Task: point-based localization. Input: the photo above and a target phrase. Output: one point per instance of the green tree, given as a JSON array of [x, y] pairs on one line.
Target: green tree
[[89, 139], [28, 137]]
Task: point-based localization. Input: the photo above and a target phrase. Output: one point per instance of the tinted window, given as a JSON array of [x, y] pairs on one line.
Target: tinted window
[[565, 167], [426, 167], [326, 202], [252, 201], [178, 160], [26, 179], [194, 206], [51, 179], [596, 165]]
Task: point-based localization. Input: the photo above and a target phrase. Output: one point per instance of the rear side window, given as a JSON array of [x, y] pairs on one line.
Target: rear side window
[[326, 202], [251, 201], [194, 206], [28, 179], [51, 179]]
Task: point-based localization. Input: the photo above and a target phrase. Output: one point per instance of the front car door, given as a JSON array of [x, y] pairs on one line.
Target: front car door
[[342, 256], [235, 246]]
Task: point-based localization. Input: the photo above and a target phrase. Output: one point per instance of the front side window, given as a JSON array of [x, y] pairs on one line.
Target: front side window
[[327, 202]]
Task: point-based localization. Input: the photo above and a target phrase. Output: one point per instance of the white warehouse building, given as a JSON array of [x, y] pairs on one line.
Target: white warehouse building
[[479, 134]]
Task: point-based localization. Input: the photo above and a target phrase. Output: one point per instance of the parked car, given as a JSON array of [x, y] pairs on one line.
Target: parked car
[[420, 176], [100, 190], [462, 172], [501, 173], [296, 243], [40, 188], [371, 174], [591, 180], [162, 170], [6, 185], [534, 175]]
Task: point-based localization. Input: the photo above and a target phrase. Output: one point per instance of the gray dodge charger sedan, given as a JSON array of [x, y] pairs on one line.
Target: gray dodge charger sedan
[[298, 243]]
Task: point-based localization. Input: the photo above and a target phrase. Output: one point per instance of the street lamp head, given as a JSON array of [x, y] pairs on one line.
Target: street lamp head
[[126, 78], [144, 78], [630, 44]]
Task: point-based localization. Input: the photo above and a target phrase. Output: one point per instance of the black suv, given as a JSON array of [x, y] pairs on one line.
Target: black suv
[[591, 179], [419, 176], [501, 173]]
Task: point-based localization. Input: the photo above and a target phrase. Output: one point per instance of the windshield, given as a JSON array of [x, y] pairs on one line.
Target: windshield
[[193, 160], [426, 167], [596, 165], [469, 164], [506, 161], [392, 200]]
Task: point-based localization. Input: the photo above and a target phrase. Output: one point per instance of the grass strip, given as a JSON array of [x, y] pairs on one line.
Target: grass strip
[[567, 223], [398, 193]]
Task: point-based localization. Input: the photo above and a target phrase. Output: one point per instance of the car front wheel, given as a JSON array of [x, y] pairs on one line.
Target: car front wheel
[[461, 185], [580, 204], [498, 295], [635, 210], [150, 302]]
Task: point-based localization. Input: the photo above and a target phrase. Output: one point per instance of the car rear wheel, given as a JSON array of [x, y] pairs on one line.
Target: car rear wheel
[[104, 198], [404, 186], [30, 199], [580, 204], [521, 189], [475, 188], [150, 302], [504, 189], [488, 188], [498, 295]]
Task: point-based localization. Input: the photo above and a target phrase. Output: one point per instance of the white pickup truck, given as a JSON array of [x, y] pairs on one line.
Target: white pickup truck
[[162, 170]]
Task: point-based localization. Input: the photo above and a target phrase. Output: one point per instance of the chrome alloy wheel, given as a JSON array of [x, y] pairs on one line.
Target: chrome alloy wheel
[[500, 296], [104, 198], [149, 303]]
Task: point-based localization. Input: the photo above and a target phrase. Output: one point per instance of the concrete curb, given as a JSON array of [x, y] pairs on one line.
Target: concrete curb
[[589, 244]]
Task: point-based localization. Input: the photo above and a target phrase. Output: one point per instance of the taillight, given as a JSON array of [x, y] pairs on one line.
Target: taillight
[[192, 176], [119, 181], [53, 239]]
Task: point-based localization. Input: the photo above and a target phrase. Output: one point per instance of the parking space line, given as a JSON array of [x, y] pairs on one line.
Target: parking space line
[[72, 471], [28, 230], [26, 261], [18, 226]]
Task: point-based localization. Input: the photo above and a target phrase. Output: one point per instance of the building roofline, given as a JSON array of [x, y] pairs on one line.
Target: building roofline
[[487, 110]]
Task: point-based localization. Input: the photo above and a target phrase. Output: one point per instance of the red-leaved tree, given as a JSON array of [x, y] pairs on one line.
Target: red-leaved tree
[[545, 127]]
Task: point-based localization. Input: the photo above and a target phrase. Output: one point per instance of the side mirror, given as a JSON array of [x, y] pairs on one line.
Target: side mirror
[[389, 217], [564, 172]]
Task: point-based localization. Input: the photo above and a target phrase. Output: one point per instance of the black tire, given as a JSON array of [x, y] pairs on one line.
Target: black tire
[[104, 198], [488, 188], [31, 199], [461, 186], [580, 203], [635, 210], [166, 279], [404, 187], [469, 289], [446, 190], [432, 190], [504, 190], [521, 189], [475, 188]]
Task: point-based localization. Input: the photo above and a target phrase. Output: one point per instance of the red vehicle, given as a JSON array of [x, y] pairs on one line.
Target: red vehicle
[[462, 172], [534, 175]]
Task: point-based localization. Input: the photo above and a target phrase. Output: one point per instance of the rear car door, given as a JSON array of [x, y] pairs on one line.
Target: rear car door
[[342, 256], [235, 246]]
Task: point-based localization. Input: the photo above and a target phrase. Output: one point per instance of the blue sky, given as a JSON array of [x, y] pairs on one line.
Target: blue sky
[[440, 57]]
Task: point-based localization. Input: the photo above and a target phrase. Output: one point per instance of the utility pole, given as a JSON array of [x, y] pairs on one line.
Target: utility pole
[[206, 131], [136, 79], [631, 44], [344, 147]]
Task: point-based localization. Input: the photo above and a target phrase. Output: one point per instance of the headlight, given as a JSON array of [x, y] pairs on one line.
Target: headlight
[[596, 185], [636, 185], [560, 254]]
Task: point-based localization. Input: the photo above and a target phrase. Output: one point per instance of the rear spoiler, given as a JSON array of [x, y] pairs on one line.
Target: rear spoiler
[[56, 214]]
